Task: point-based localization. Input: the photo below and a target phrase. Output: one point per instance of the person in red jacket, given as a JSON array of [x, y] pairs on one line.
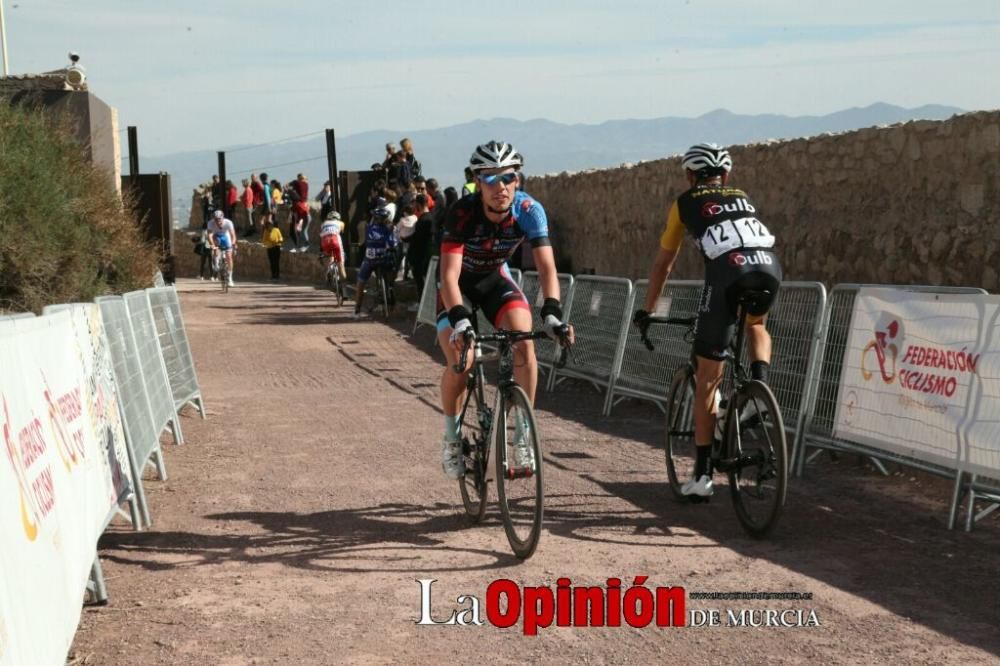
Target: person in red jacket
[[246, 198], [300, 209], [232, 196]]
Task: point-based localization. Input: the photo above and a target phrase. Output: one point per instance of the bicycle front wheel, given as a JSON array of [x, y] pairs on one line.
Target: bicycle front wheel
[[519, 472], [475, 432], [759, 478], [680, 447]]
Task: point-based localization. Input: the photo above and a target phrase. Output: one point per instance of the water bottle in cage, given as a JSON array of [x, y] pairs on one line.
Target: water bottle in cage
[[720, 411]]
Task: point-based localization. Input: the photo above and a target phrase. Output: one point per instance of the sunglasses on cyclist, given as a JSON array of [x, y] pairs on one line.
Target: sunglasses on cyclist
[[505, 178]]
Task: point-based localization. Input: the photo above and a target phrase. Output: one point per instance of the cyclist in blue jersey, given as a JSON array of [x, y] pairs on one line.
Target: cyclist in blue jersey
[[222, 237], [481, 232], [379, 246]]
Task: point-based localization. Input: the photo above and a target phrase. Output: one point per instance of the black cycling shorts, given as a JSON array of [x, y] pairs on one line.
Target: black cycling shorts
[[725, 279], [494, 293]]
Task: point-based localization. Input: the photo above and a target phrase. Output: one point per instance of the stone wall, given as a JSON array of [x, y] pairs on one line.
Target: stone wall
[[915, 203], [251, 262]]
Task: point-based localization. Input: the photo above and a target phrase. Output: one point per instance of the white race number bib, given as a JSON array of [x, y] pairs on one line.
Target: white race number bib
[[746, 232]]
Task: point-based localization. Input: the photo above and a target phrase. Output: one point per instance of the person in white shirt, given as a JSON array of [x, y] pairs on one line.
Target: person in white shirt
[[330, 242]]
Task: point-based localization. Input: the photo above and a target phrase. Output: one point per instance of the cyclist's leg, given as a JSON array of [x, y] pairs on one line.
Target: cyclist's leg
[[506, 306], [765, 278], [713, 331], [364, 273], [452, 395]]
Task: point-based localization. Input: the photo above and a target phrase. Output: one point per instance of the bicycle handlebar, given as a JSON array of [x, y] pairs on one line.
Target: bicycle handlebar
[[511, 337], [675, 321]]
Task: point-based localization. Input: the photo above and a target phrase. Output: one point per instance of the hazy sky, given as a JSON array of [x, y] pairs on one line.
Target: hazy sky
[[208, 74]]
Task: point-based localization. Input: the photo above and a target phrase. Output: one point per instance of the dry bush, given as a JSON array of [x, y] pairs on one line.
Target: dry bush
[[65, 235]]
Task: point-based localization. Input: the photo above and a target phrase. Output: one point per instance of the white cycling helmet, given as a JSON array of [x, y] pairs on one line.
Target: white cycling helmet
[[707, 158], [218, 215], [495, 155]]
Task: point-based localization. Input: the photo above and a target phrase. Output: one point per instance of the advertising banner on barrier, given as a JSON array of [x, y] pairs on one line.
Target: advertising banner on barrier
[[61, 474], [921, 378]]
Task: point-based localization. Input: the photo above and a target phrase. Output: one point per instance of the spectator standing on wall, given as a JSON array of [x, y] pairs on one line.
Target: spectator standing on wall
[[265, 186], [390, 156], [232, 196], [258, 196], [247, 200], [218, 193], [325, 200], [272, 239], [399, 171], [300, 208], [415, 168]]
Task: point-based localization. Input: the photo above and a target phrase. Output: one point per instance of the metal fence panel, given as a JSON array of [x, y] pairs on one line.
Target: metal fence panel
[[600, 314], [427, 311], [137, 511], [647, 374], [175, 347], [818, 432], [546, 351], [143, 437], [154, 372]]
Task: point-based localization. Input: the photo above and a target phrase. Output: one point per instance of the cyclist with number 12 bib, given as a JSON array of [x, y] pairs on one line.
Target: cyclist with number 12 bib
[[481, 232], [739, 255]]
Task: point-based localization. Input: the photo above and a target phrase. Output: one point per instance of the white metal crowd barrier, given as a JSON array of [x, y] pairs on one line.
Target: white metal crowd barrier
[[546, 351], [647, 374], [427, 310], [600, 314], [142, 433], [154, 371], [822, 405], [175, 348]]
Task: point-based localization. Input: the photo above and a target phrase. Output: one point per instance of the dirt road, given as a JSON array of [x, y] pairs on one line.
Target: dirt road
[[299, 517]]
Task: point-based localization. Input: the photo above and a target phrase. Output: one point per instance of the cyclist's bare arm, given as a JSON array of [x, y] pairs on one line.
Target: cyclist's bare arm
[[658, 274], [546, 263], [451, 268]]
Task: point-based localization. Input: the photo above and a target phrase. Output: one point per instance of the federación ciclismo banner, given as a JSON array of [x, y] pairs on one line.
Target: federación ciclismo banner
[[921, 378], [63, 469]]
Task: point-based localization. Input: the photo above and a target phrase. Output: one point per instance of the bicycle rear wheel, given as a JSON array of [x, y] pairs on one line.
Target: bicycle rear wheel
[[475, 432], [680, 448], [759, 479], [333, 282], [519, 482]]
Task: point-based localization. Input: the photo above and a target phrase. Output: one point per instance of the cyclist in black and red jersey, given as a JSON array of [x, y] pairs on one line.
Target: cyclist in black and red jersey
[[481, 232], [739, 255]]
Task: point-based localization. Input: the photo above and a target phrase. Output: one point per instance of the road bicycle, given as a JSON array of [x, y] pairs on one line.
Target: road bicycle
[[752, 450], [504, 421], [221, 268], [333, 281], [382, 296]]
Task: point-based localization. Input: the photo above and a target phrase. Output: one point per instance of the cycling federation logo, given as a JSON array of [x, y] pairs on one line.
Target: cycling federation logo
[[883, 350]]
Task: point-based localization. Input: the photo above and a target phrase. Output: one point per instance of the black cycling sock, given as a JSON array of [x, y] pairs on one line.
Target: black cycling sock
[[758, 370], [703, 463]]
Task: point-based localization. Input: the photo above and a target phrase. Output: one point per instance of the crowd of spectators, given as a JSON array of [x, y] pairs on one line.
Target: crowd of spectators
[[417, 204]]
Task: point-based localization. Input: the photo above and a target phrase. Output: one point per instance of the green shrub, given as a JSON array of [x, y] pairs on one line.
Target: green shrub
[[65, 235]]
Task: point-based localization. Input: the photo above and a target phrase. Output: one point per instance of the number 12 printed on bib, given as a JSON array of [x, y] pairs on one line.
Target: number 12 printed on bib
[[746, 232]]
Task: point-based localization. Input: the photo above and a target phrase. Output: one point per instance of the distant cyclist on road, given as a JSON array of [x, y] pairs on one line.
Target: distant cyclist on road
[[330, 242], [379, 247], [481, 232], [222, 237], [739, 256]]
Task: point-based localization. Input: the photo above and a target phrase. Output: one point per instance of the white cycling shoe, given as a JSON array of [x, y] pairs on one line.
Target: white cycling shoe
[[700, 488], [451, 459]]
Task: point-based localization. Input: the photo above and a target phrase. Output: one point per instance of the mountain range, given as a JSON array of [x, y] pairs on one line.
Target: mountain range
[[547, 146]]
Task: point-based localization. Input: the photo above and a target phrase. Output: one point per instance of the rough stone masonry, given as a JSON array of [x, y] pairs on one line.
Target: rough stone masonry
[[913, 203]]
